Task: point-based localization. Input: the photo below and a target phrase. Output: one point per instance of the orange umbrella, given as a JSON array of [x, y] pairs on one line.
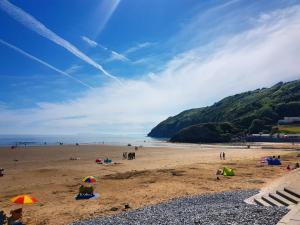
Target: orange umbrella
[[24, 199]]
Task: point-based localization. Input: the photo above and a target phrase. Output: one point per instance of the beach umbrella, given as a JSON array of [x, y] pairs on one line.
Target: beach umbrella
[[24, 199], [89, 179]]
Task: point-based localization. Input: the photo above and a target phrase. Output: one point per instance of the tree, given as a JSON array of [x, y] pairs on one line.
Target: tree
[[256, 126]]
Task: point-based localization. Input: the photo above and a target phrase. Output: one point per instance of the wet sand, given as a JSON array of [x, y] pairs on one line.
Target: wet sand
[[156, 175]]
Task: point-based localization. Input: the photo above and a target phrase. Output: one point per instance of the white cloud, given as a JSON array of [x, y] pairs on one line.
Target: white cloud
[[262, 56], [89, 41], [33, 24]]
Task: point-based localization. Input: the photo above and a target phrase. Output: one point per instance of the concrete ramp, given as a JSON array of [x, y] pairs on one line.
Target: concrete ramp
[[292, 218]]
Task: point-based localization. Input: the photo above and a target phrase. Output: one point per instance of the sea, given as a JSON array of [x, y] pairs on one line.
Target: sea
[[82, 139]]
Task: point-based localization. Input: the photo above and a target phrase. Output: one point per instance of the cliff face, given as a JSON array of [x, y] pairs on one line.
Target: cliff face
[[248, 112]]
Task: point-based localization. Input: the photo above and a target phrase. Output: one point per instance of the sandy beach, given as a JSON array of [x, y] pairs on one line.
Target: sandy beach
[[156, 175]]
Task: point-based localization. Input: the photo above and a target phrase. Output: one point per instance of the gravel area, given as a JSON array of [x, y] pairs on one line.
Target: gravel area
[[215, 209]]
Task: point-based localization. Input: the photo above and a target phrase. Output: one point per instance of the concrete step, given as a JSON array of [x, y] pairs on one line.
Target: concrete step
[[281, 199], [271, 201], [288, 196], [292, 192], [260, 202]]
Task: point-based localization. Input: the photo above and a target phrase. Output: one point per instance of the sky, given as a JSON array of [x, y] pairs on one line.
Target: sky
[[121, 67]]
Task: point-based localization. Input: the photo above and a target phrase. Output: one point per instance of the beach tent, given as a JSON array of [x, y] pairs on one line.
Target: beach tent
[[272, 161], [228, 171]]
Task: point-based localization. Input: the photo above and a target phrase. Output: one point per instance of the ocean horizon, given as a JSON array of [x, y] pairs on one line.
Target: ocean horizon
[[109, 139]]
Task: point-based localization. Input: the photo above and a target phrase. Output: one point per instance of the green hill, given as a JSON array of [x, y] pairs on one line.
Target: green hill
[[248, 112]]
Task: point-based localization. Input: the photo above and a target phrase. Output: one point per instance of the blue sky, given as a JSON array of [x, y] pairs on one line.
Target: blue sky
[[117, 66]]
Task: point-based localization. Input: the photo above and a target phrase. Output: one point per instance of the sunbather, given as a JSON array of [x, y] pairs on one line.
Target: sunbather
[[3, 218], [293, 166], [219, 172], [107, 160], [86, 190], [16, 217], [74, 158]]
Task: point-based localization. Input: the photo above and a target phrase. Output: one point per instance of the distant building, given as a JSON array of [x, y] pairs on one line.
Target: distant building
[[289, 120], [273, 138]]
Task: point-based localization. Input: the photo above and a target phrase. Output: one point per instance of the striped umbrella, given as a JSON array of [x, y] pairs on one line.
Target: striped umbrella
[[24, 199], [89, 179]]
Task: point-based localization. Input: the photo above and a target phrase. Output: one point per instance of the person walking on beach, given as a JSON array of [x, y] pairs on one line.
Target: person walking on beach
[[224, 155], [221, 155]]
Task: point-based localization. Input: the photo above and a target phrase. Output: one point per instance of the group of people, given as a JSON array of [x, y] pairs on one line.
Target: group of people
[[129, 155], [222, 155]]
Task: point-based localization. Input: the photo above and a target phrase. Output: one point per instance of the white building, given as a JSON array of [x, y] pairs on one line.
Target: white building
[[289, 120]]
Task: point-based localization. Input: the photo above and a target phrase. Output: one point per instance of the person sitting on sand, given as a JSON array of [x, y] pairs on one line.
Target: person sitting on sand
[[85, 191], [3, 218], [292, 167], [16, 216], [1, 172], [219, 172]]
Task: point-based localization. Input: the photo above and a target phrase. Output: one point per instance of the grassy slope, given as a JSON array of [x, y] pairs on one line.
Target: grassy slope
[[267, 104], [289, 129]]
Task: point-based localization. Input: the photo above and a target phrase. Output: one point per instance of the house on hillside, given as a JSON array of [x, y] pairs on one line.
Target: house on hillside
[[289, 120]]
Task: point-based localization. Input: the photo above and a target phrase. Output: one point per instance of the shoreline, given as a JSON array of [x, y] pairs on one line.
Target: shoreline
[[167, 144]]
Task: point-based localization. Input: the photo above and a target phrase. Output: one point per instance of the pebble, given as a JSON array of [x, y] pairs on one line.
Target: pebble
[[226, 208]]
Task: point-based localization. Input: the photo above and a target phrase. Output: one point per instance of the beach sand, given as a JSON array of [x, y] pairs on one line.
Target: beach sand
[[156, 175]]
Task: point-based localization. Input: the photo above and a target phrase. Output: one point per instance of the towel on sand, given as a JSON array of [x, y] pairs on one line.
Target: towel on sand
[[81, 197]]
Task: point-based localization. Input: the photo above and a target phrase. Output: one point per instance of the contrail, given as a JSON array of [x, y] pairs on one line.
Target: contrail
[[33, 24], [42, 62], [114, 54]]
